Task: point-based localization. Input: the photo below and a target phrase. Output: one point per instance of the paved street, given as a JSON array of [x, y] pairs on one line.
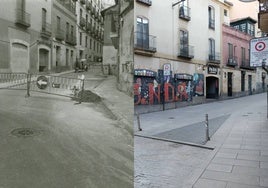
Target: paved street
[[50, 141], [240, 154]]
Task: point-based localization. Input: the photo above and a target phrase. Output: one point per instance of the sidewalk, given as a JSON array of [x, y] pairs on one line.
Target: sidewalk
[[120, 104], [239, 158]]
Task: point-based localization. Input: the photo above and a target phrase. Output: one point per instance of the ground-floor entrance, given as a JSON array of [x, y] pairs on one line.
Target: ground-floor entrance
[[212, 87]]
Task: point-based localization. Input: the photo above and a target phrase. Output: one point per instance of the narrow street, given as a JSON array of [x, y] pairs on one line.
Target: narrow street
[[51, 141], [238, 157]]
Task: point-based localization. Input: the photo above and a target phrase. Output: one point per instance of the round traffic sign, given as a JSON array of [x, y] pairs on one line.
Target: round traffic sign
[[42, 82], [259, 46]]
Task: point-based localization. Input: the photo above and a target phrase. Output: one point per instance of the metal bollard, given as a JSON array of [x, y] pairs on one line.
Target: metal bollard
[[207, 128], [138, 121]]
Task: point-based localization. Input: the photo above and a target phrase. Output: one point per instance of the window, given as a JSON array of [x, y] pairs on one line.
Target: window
[[243, 55], [86, 41], [184, 47], [243, 27], [211, 17], [58, 22], [225, 12], [44, 18], [211, 49], [81, 12], [80, 38], [90, 44], [67, 30], [251, 29], [143, 32], [94, 45], [72, 30], [230, 50]]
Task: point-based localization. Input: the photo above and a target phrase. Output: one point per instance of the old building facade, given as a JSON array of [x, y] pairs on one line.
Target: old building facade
[[172, 62], [25, 39], [45, 36], [118, 43], [176, 65]]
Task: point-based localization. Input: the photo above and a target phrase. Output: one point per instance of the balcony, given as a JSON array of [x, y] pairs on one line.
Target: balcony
[[214, 58], [245, 64], [23, 18], [59, 34], [88, 5], [82, 22], [88, 26], [186, 51], [211, 23], [82, 2], [93, 11], [71, 39], [184, 13], [45, 30], [145, 42], [145, 2], [232, 61], [68, 5]]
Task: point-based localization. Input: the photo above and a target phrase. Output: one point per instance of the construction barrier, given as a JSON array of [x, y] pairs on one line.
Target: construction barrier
[[56, 85]]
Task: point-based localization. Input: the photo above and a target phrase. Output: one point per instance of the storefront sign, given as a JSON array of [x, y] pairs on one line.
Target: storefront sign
[[212, 70], [144, 72], [183, 76]]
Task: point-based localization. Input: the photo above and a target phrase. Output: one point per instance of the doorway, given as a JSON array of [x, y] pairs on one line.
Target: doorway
[[230, 84], [212, 87]]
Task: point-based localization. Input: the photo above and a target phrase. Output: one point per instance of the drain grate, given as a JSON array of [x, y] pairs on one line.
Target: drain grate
[[25, 132]]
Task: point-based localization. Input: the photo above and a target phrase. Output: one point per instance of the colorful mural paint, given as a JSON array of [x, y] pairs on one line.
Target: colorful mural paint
[[198, 81], [152, 89]]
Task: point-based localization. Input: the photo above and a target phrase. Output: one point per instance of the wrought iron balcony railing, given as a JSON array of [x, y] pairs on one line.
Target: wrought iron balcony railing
[[211, 23], [145, 2], [245, 64], [184, 13], [88, 5], [145, 42], [59, 34], [69, 6], [82, 22], [214, 57], [186, 51], [88, 26], [232, 61], [71, 39], [46, 29], [23, 18]]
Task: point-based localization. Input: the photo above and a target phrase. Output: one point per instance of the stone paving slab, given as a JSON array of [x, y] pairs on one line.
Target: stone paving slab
[[231, 177], [250, 170], [237, 185], [206, 183], [219, 160], [220, 167]]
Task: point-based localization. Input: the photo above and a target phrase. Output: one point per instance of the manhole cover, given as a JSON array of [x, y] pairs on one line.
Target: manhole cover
[[25, 132]]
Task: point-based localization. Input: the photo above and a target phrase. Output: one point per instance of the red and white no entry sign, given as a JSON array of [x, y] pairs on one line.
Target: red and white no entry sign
[[258, 51], [260, 46]]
